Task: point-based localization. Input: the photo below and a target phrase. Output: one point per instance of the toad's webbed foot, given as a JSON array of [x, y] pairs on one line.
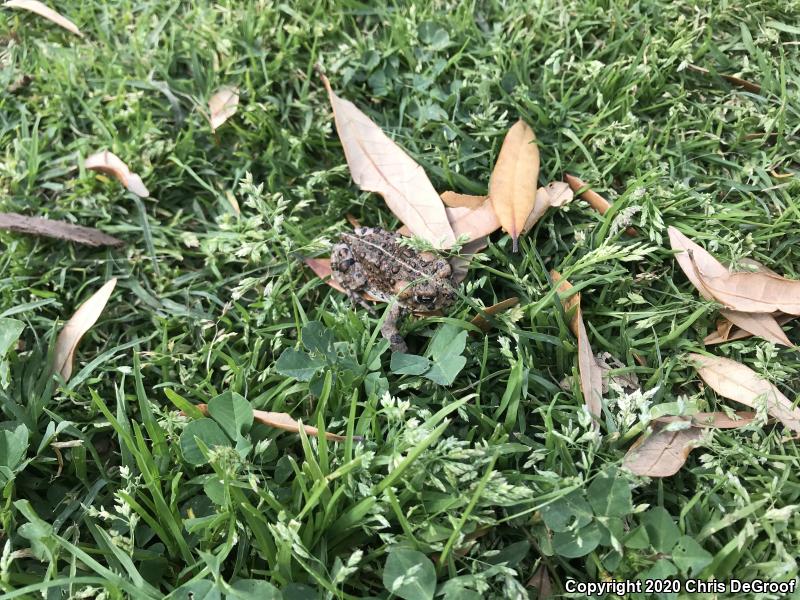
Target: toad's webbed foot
[[390, 331], [356, 299]]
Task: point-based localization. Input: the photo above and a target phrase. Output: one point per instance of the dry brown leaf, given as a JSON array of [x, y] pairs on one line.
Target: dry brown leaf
[[512, 186], [283, 421], [460, 264], [473, 222], [721, 420], [743, 83], [663, 452], [456, 200], [735, 381], [379, 165], [754, 292], [593, 199], [481, 322], [696, 263], [726, 333], [57, 229], [111, 164], [541, 581], [45, 11], [554, 195], [591, 374], [74, 329], [222, 106]]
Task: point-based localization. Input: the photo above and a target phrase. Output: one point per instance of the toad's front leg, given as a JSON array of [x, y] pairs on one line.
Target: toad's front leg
[[389, 328]]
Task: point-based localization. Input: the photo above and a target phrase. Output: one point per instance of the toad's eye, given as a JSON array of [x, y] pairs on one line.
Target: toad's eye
[[424, 299]]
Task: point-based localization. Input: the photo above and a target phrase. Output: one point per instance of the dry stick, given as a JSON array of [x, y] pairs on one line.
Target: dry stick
[[742, 83], [57, 229], [593, 199]]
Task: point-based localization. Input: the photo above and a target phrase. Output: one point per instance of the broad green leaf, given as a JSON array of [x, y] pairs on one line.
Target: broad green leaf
[[637, 539], [511, 555], [408, 364], [661, 529], [207, 431], [662, 569], [610, 494], [13, 445], [38, 531], [232, 412], [573, 544], [445, 371], [409, 574], [298, 364], [253, 589], [567, 512], [197, 590], [690, 557], [318, 338], [10, 330], [448, 341]]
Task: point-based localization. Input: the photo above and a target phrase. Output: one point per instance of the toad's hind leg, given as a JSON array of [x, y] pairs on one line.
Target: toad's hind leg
[[390, 331]]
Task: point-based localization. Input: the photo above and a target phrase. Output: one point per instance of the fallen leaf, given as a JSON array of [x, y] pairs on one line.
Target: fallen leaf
[[726, 333], [663, 452], [591, 374], [379, 165], [222, 106], [473, 222], [555, 195], [352, 220], [481, 322], [110, 164], [754, 292], [284, 421], [512, 186], [593, 199], [696, 262], [608, 362], [541, 581], [455, 200], [460, 264], [56, 229], [735, 381], [743, 83], [45, 11], [74, 329]]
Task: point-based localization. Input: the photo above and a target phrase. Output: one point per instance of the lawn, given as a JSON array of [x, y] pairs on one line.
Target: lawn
[[494, 486]]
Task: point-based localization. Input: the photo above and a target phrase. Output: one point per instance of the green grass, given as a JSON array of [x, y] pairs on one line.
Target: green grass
[[461, 485]]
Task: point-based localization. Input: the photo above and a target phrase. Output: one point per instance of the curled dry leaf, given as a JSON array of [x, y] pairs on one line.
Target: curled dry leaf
[[456, 200], [481, 322], [697, 264], [591, 374], [111, 164], [222, 106], [663, 452], [57, 229], [554, 195], [460, 264], [81, 322], [512, 186], [735, 381], [45, 11], [379, 165], [283, 421], [593, 199]]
